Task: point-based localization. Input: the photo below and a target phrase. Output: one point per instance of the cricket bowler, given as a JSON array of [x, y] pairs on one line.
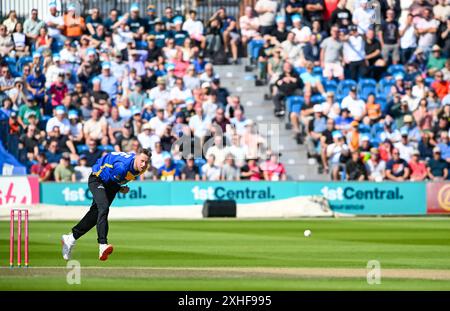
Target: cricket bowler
[[110, 174]]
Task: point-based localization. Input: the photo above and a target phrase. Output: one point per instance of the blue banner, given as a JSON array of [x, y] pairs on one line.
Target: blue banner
[[359, 198]]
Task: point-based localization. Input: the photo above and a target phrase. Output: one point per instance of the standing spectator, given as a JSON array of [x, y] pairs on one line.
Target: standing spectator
[[363, 16], [33, 25], [426, 28], [266, 10], [64, 171], [331, 55], [397, 169], [314, 9], [354, 53], [408, 39], [417, 167], [437, 167], [341, 16], [375, 166], [390, 38]]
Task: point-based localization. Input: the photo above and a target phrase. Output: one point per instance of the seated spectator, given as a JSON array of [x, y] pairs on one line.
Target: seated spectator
[[288, 84], [272, 169], [312, 82], [417, 167], [251, 170], [435, 61], [147, 138], [53, 154], [334, 153], [375, 166], [210, 171], [315, 129], [344, 120], [444, 145], [93, 153], [169, 171], [64, 171], [439, 85], [42, 168], [397, 169], [82, 171], [158, 156], [218, 150], [405, 148], [356, 106], [355, 168], [229, 170], [96, 127], [373, 109], [190, 170], [437, 166]]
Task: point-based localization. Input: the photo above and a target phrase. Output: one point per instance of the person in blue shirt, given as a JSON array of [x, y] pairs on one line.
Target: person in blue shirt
[[160, 34], [110, 174], [36, 86], [178, 33]]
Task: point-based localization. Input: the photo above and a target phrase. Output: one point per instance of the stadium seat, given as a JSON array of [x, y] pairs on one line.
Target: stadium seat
[[300, 70], [394, 70], [317, 99], [23, 61], [384, 87], [141, 45], [317, 71], [429, 81], [294, 103], [82, 148], [330, 85], [107, 148], [383, 104], [366, 87], [199, 162], [345, 86]]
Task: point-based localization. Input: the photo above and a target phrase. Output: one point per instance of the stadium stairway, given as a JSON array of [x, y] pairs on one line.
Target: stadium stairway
[[293, 156]]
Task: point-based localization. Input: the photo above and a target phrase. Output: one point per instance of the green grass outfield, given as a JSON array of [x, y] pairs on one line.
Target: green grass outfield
[[227, 254]]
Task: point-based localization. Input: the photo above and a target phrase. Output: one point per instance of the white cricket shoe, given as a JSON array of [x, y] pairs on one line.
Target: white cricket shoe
[[104, 251], [68, 242]]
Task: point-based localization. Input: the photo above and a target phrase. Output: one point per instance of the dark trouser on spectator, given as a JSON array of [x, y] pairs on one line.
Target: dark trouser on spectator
[[103, 195], [405, 55], [266, 30], [311, 144], [357, 69], [278, 101]]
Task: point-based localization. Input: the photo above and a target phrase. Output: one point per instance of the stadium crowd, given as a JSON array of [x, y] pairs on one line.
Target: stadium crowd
[[365, 89]]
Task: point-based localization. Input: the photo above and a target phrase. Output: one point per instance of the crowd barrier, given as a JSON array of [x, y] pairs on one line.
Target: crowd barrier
[[254, 199]]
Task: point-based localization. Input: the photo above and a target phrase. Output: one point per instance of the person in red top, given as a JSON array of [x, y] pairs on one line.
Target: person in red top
[[417, 167], [43, 169], [330, 6], [58, 90], [272, 169], [440, 85], [386, 150]]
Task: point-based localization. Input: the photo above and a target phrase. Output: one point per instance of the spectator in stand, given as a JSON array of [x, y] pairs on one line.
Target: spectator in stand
[[251, 170], [331, 55], [397, 169], [426, 28], [82, 171], [375, 166], [333, 154], [437, 166], [229, 170], [210, 171], [436, 61], [42, 168], [354, 53], [266, 10], [93, 153], [288, 84], [33, 25], [169, 171], [356, 106], [390, 38], [417, 167], [190, 170], [64, 171], [440, 86], [316, 127], [444, 145], [272, 169], [355, 168]]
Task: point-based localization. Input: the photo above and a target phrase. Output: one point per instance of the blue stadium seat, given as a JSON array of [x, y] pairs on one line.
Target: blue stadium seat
[[394, 70], [330, 85], [141, 45], [23, 61], [317, 99], [384, 87], [366, 87], [300, 70], [345, 86], [317, 71], [294, 103], [383, 104], [107, 148], [429, 81], [82, 148], [200, 162]]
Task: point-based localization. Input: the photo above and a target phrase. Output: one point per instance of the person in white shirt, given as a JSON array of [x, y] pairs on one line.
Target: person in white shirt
[[179, 92], [302, 32], [266, 10], [60, 121], [249, 25], [427, 27], [354, 53], [390, 134], [55, 23], [356, 106], [218, 150], [334, 152], [160, 94], [199, 123], [237, 150], [195, 28], [408, 39], [147, 138], [158, 123], [363, 16], [404, 147]]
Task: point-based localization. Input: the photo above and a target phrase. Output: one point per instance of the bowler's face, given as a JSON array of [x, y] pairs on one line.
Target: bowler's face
[[142, 161]]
